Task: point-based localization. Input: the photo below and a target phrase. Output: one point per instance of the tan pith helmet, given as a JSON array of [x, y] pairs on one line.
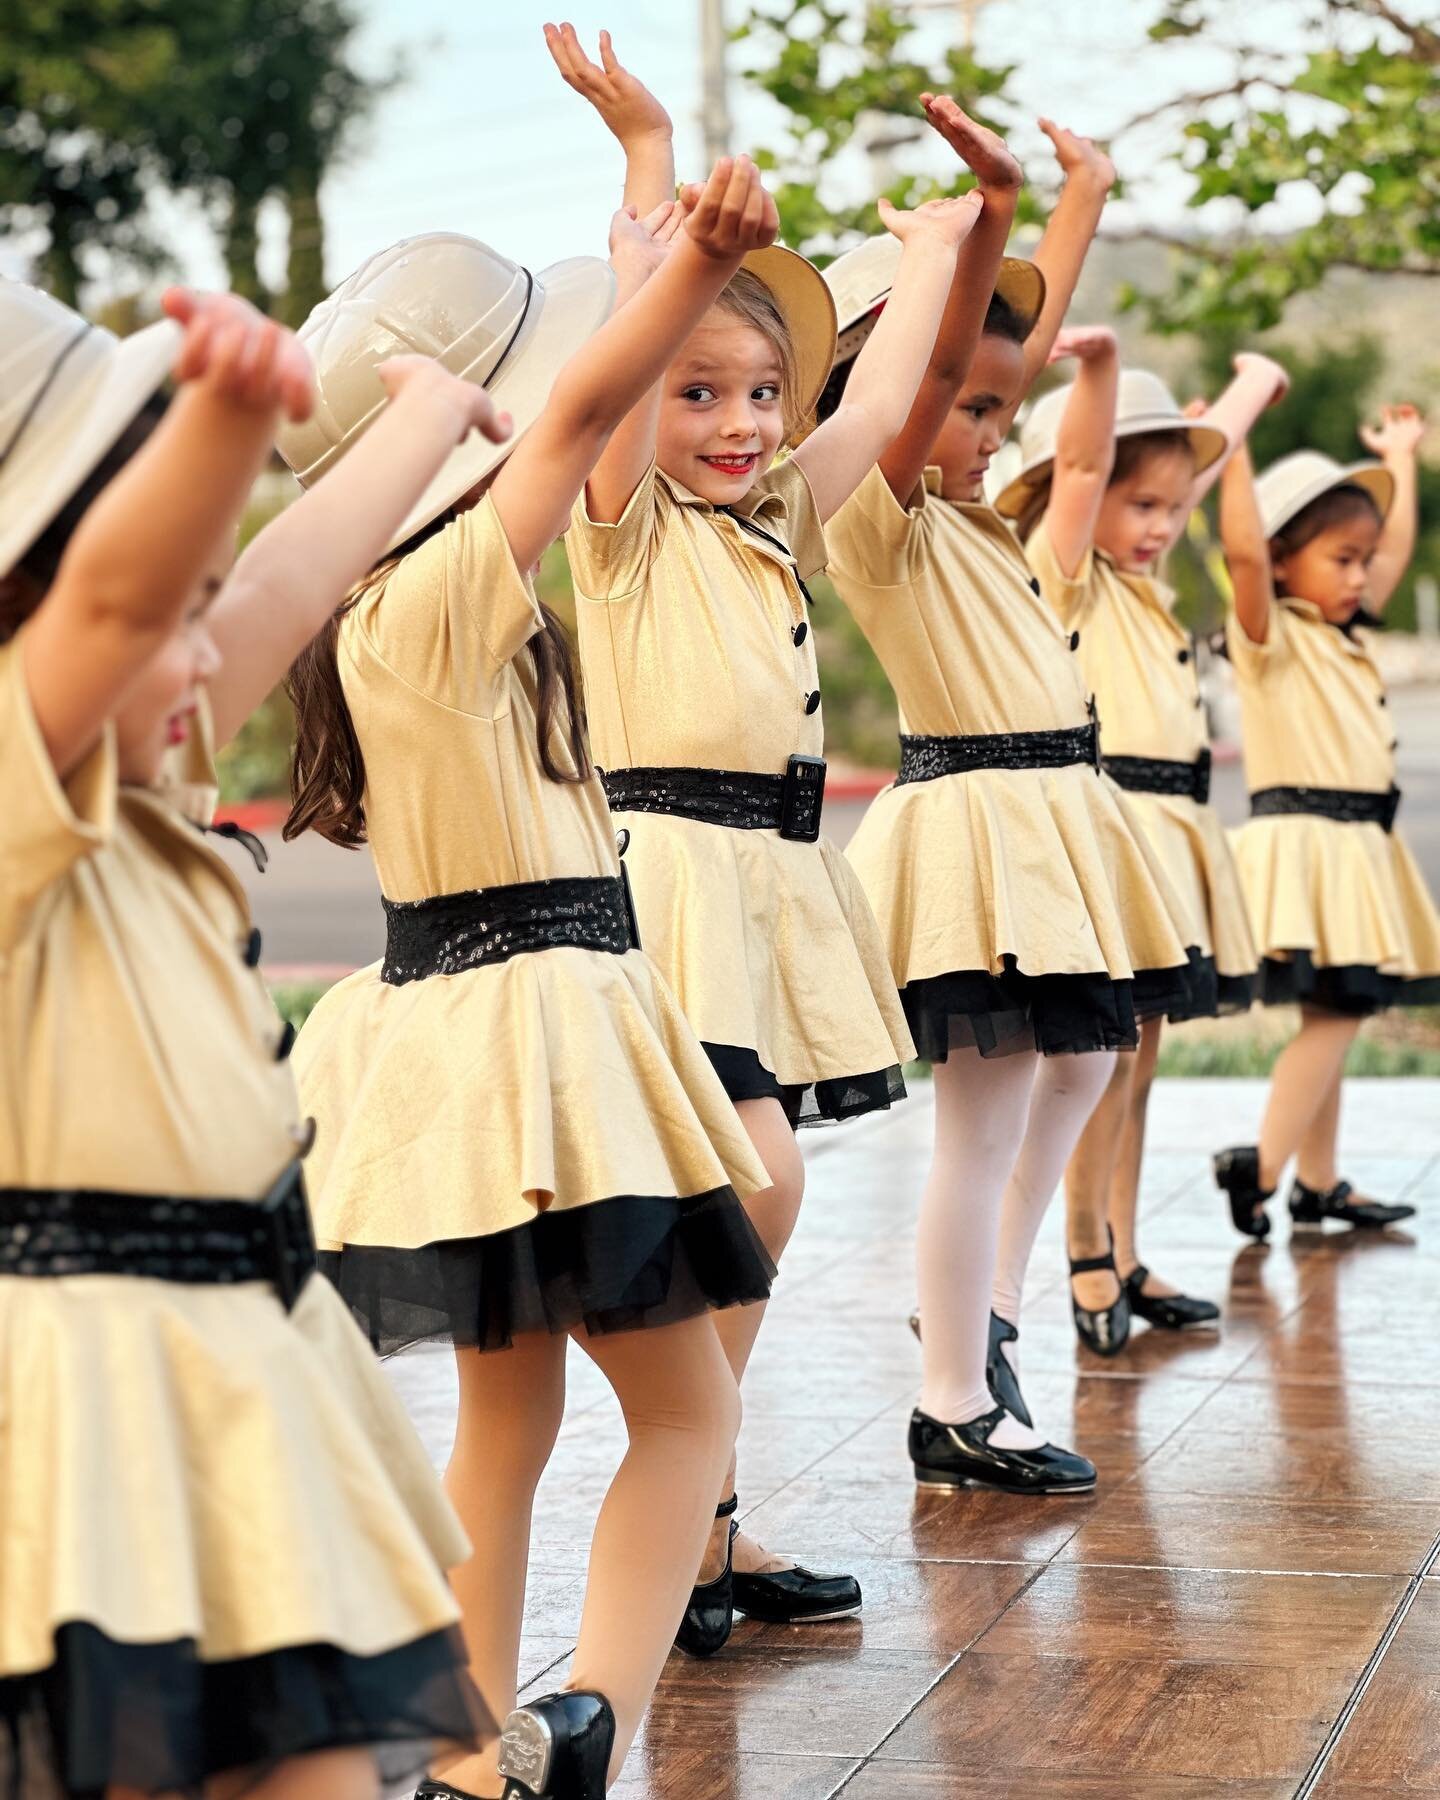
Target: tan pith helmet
[[861, 278], [1287, 487], [805, 305], [1144, 404], [67, 392], [476, 313]]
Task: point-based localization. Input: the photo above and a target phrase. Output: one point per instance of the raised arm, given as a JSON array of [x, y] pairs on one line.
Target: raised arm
[[1085, 443], [1259, 382], [632, 114], [886, 378], [976, 268], [139, 555], [294, 574], [1060, 254], [1396, 441], [610, 374], [1247, 555]]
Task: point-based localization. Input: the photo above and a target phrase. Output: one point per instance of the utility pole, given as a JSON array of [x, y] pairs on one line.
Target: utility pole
[[714, 89]]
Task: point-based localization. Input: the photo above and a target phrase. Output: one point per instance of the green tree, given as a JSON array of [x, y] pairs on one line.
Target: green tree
[[1355, 121]]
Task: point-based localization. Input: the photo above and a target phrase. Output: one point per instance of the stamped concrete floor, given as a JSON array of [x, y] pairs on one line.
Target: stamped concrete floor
[[1247, 1608]]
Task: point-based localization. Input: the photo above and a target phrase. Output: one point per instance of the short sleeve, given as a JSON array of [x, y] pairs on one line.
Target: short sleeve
[[1071, 596], [800, 527], [454, 613], [873, 539], [1249, 659], [46, 824], [612, 561]]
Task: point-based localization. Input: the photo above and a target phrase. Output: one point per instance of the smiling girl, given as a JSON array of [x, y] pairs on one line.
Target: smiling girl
[[1342, 917]]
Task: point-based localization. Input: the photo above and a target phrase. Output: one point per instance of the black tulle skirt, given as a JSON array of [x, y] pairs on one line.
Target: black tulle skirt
[[1058, 1015], [624, 1264], [1355, 989], [745, 1077], [156, 1718]]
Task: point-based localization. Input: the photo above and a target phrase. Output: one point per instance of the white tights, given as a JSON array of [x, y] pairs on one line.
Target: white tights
[[1004, 1130]]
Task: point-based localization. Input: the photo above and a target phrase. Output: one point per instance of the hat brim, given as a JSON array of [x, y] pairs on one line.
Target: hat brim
[[1207, 442], [1373, 477], [133, 369], [1020, 284], [571, 301], [808, 309]]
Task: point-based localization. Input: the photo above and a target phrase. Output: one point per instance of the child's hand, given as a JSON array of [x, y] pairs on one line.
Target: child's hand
[[980, 150], [732, 214], [951, 221], [639, 246], [1086, 343], [626, 105], [1398, 433], [1251, 360], [1080, 158], [247, 359], [471, 406]]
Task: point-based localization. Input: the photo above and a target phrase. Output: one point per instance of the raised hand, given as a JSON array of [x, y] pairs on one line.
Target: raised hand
[[981, 150], [626, 105], [473, 408], [1251, 361], [951, 221], [639, 246], [732, 213], [1085, 343], [247, 359], [1398, 432], [1080, 158]]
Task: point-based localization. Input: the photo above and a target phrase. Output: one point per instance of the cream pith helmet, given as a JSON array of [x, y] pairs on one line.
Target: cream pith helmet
[[1144, 404], [472, 310], [67, 392], [861, 278], [1287, 487], [804, 301]]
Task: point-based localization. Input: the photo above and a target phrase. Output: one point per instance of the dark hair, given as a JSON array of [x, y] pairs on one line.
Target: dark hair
[[327, 766], [1002, 320], [1336, 506], [23, 588]]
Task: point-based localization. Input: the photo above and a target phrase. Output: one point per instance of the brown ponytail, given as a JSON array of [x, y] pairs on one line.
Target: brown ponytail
[[327, 767]]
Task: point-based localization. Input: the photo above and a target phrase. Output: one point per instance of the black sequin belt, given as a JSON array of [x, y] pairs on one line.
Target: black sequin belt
[[738, 798], [1351, 806], [1158, 775], [450, 933], [163, 1237], [928, 758]]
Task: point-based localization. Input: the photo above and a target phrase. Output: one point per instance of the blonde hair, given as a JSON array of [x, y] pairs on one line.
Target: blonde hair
[[746, 297]]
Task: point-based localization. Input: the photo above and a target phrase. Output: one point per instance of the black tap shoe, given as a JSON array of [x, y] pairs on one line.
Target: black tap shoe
[[1000, 1378], [431, 1789], [1103, 1329], [558, 1748], [1312, 1206], [710, 1617], [952, 1456], [1237, 1172], [796, 1597], [1169, 1312]]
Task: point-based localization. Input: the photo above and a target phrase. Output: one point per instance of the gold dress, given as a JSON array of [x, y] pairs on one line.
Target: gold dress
[[533, 1143], [207, 1501], [1139, 663], [1022, 906], [699, 657], [1341, 913]]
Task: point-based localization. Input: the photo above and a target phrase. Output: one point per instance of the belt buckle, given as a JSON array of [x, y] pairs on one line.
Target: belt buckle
[[802, 799], [290, 1234], [1203, 763], [1094, 729], [1392, 806]]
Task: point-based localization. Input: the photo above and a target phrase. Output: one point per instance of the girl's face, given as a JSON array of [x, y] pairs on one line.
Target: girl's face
[[160, 708], [979, 418], [721, 419], [1332, 571], [1143, 513]]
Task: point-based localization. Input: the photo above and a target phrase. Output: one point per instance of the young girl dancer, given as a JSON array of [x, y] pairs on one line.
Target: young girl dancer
[[1343, 919], [521, 1138], [222, 1561], [1112, 471], [1024, 914], [690, 554]]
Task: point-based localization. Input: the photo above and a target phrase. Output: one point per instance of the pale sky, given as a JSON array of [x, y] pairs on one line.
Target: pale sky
[[483, 138]]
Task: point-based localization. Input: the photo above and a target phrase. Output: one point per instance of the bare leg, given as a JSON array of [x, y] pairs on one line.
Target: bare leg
[[1125, 1187], [682, 1411], [1315, 1162], [511, 1405], [773, 1214], [1309, 1067], [1089, 1178], [329, 1775]]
